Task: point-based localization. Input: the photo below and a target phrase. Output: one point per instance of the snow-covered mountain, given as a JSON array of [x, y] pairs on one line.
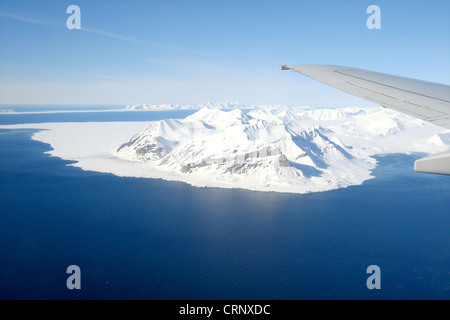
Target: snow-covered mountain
[[270, 148], [278, 148], [263, 150]]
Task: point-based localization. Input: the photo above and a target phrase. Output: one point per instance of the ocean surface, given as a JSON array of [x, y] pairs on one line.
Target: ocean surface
[[98, 116], [151, 239], [56, 108]]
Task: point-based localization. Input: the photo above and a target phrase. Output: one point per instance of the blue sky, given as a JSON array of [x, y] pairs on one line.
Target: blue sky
[[193, 52]]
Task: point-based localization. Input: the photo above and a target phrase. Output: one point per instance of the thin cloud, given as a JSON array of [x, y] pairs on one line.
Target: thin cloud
[[125, 38], [108, 34], [20, 18]]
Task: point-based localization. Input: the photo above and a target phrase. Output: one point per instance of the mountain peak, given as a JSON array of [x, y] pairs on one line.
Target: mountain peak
[[219, 118]]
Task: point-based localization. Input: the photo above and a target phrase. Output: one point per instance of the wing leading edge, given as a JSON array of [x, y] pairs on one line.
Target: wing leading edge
[[421, 99]]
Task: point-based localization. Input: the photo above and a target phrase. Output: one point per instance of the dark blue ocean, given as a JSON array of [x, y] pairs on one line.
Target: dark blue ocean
[[151, 239]]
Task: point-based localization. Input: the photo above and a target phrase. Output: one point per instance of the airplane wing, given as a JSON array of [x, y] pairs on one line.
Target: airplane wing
[[424, 100]]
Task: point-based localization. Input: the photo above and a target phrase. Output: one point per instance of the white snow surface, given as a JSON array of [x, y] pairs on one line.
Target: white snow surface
[[279, 149]]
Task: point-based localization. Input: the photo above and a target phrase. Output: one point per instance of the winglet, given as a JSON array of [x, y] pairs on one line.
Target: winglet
[[438, 163]]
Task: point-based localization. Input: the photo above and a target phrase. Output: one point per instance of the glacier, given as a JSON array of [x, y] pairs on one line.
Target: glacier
[[268, 148]]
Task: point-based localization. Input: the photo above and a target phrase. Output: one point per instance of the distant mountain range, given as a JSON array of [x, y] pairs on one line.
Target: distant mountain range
[[168, 107]]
